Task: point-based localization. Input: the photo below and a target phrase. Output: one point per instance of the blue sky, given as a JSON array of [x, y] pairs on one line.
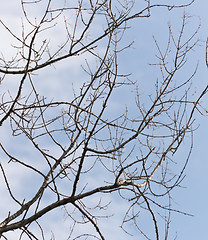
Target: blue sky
[[193, 198]]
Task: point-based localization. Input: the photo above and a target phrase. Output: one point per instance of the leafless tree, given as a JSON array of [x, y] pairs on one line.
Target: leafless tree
[[86, 154]]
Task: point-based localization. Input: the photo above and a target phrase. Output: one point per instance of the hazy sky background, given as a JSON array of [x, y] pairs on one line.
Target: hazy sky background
[[192, 199]]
